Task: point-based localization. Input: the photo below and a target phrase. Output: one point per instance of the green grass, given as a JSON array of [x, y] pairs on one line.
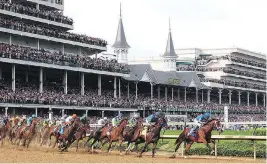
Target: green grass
[[226, 132]]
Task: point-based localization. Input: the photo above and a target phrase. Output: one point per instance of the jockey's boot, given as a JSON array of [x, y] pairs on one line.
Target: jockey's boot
[[191, 131]]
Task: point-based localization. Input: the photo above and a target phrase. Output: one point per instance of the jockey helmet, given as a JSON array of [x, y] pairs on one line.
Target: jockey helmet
[[74, 116], [105, 118], [207, 114], [33, 116]]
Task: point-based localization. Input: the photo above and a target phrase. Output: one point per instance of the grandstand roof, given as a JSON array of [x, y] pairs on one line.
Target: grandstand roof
[[145, 73], [120, 41]]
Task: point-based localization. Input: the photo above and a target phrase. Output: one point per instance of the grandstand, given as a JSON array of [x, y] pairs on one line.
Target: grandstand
[[45, 68]]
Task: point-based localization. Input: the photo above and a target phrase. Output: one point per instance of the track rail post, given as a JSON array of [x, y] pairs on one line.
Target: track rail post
[[215, 147], [254, 147]]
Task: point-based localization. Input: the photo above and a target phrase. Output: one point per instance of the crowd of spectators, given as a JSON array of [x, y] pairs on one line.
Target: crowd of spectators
[[244, 73], [248, 62], [234, 83], [30, 11], [53, 95], [246, 117], [49, 32], [186, 68], [58, 58]]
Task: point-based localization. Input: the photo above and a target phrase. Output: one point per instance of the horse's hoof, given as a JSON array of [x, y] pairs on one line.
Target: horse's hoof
[[212, 152], [173, 156]]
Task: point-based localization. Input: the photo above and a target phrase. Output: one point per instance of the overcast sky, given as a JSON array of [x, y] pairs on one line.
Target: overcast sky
[[194, 23]]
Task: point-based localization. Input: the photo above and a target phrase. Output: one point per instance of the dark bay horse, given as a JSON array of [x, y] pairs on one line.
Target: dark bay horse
[[4, 130], [68, 135], [79, 135], [132, 134], [203, 136], [152, 136], [116, 134]]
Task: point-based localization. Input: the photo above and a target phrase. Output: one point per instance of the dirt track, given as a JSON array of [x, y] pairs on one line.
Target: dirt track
[[42, 155]]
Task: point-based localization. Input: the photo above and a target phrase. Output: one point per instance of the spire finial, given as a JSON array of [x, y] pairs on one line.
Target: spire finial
[[120, 9], [169, 23]]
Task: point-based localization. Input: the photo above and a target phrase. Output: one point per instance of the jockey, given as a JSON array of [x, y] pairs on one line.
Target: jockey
[[29, 120], [69, 119], [102, 121], [116, 120], [63, 121], [199, 120], [83, 119], [132, 121]]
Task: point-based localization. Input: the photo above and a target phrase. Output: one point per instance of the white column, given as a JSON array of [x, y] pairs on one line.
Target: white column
[[158, 91], [178, 94], [172, 94], [197, 95], [166, 93], [264, 100], [99, 81], [13, 77], [208, 95], [37, 6], [202, 96], [62, 112], [151, 91], [1, 74], [128, 89], [184, 94], [63, 49], [256, 99], [38, 44], [230, 97], [248, 98], [82, 83], [239, 97], [115, 87], [6, 108], [65, 82], [41, 80], [119, 87], [36, 112], [27, 76], [103, 113], [220, 96], [136, 90], [50, 113]]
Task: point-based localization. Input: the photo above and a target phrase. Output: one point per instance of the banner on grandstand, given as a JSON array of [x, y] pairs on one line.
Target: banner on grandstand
[[225, 113]]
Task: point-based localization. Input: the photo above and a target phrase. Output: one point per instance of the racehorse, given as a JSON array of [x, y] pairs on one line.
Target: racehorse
[[27, 134], [98, 135], [203, 136], [4, 130], [116, 134], [152, 136], [132, 134], [69, 134], [79, 135]]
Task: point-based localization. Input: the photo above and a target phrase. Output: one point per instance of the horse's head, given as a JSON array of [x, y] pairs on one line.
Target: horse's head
[[162, 123], [215, 123], [123, 122], [139, 122]]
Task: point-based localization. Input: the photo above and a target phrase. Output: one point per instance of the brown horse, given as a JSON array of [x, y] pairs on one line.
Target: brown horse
[[132, 134], [116, 134], [27, 134], [79, 135], [98, 135], [203, 136], [69, 134], [152, 136], [4, 130]]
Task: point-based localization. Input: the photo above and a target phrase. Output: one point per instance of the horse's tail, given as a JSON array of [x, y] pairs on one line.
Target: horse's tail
[[181, 137]]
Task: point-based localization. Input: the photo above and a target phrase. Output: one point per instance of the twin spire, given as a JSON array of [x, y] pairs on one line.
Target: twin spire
[[170, 52], [120, 41]]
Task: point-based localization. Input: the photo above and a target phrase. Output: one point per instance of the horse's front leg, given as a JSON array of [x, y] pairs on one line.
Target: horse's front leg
[[143, 150], [128, 147], [77, 144], [109, 146], [188, 145], [120, 148], [204, 141], [154, 148], [213, 146]]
